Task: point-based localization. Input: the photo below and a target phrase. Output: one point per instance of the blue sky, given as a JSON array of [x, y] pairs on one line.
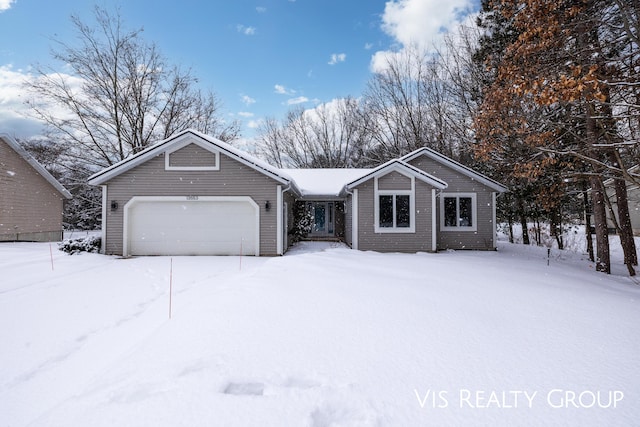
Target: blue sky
[[262, 57]]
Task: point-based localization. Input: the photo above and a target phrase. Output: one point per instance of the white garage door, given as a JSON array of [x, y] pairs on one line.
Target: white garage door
[[192, 226]]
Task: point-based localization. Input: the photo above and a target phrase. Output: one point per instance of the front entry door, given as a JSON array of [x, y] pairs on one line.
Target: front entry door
[[323, 218]]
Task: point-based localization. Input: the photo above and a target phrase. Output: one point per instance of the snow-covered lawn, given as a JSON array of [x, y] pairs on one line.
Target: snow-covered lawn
[[330, 337]]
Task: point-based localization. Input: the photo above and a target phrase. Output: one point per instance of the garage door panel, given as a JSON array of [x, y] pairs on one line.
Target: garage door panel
[[192, 228]]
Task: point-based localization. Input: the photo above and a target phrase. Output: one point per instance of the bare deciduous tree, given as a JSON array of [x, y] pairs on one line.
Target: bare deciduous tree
[[120, 96], [410, 106], [332, 135]]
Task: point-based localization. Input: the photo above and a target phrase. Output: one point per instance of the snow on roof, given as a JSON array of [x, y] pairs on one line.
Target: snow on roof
[[323, 182]]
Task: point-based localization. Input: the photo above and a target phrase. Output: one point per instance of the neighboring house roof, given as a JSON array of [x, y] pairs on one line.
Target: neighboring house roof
[[465, 170], [205, 141], [402, 167], [324, 182], [34, 164]]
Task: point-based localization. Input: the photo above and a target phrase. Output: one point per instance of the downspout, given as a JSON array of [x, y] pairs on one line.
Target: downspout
[[103, 226], [494, 218], [280, 225], [435, 193], [354, 216]]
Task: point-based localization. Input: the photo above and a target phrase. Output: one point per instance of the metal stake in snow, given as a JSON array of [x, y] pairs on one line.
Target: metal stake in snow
[[170, 283], [51, 254], [548, 255]]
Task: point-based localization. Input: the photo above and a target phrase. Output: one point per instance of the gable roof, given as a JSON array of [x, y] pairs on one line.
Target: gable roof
[[205, 141], [402, 167], [459, 167], [34, 164]]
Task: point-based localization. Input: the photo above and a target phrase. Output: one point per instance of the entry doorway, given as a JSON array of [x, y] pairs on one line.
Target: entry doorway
[[322, 218]]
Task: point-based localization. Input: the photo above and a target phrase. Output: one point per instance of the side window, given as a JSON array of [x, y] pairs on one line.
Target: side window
[[458, 212], [394, 212]]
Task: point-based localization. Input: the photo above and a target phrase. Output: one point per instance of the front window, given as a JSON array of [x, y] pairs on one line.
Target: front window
[[458, 212], [394, 211]]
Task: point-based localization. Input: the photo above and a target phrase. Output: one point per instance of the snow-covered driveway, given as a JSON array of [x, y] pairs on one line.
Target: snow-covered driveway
[[316, 338]]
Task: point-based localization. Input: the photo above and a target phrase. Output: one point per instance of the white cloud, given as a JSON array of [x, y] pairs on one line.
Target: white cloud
[[261, 9], [419, 22], [247, 31], [382, 58], [368, 46], [298, 100], [16, 116], [245, 114], [337, 57], [281, 90], [5, 4], [247, 99], [254, 124]]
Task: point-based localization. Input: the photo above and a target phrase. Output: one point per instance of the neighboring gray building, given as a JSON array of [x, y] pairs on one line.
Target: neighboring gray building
[[195, 195], [633, 199], [31, 200]]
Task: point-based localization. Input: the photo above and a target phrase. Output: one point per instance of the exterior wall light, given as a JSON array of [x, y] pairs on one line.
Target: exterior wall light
[[267, 206], [114, 205]]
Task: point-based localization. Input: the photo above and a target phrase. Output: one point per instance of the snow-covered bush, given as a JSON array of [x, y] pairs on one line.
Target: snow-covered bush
[[302, 222], [83, 244]]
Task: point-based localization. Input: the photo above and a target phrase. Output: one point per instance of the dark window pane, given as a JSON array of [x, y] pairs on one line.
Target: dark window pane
[[466, 216], [386, 211], [450, 212], [402, 211]]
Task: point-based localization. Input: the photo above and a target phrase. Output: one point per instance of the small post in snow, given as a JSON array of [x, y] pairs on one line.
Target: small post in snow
[[170, 283], [548, 255], [51, 255]]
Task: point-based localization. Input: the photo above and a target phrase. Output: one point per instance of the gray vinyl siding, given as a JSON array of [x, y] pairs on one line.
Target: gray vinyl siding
[[483, 237], [419, 241], [192, 155], [394, 181], [151, 179], [30, 207]]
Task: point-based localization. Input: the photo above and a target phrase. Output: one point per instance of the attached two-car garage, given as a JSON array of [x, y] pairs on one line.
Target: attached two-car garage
[[191, 225]]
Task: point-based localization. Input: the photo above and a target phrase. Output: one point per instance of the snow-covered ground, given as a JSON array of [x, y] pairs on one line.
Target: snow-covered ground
[[324, 336]]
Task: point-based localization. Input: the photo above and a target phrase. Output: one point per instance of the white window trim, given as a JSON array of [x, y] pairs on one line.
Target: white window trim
[[412, 207], [168, 153], [474, 212]]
